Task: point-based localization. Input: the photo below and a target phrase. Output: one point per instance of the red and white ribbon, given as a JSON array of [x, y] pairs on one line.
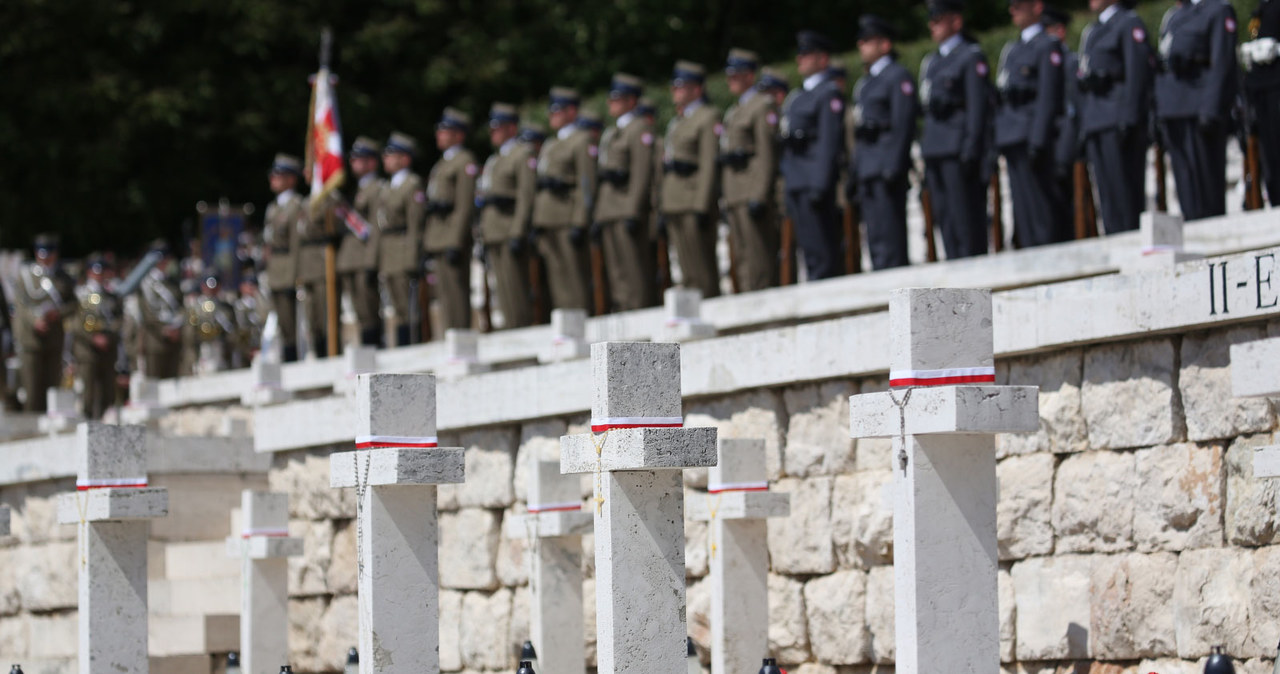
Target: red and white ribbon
[[948, 377], [555, 507], [723, 487], [1159, 248], [611, 423], [112, 483], [269, 533], [394, 441]]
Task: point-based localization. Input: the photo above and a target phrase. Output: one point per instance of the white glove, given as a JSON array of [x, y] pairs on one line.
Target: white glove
[[1261, 51]]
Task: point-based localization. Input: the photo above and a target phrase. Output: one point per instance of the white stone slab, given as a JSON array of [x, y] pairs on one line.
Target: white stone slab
[[1266, 462], [1255, 368], [396, 405], [391, 466], [945, 409], [638, 449]]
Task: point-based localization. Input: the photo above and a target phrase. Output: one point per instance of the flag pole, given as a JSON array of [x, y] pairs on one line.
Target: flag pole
[[330, 248]]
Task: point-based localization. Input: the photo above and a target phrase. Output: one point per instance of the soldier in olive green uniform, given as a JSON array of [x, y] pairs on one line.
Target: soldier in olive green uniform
[[96, 339], [623, 207], [566, 189], [280, 237], [451, 207], [312, 238], [358, 260], [163, 317], [691, 173], [250, 312], [45, 297], [400, 216], [749, 174], [211, 328], [504, 194]]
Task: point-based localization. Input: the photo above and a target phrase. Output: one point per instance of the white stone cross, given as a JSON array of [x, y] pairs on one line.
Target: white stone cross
[[462, 354], [60, 411], [553, 528], [737, 503], [683, 322], [262, 543], [1161, 237], [144, 405], [1254, 375], [636, 450], [268, 383], [942, 411], [568, 336], [395, 470], [111, 506], [357, 359]]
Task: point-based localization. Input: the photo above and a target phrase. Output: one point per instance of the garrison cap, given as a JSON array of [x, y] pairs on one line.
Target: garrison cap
[[562, 97], [772, 78], [872, 26], [46, 243], [98, 263], [532, 132], [645, 106], [837, 68], [688, 72], [938, 8], [453, 118], [625, 85], [589, 119], [365, 147], [286, 163], [1052, 16], [741, 60], [402, 143], [809, 41], [159, 246], [503, 113]]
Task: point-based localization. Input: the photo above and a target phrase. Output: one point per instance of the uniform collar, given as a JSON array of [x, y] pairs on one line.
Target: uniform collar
[[452, 152], [691, 108], [1109, 12], [399, 178], [368, 178], [747, 95], [507, 146], [626, 118], [285, 197], [880, 64], [949, 45], [811, 82], [566, 131], [1030, 32]]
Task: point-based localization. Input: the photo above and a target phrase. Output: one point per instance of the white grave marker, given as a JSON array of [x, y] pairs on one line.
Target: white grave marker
[[60, 411], [635, 451], [111, 506], [1254, 374], [568, 336], [357, 359], [268, 387], [941, 412], [553, 528], [462, 354], [395, 470], [737, 503], [683, 310], [264, 548], [1162, 248]]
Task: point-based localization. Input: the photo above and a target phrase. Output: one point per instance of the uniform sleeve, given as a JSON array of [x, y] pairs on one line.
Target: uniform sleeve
[[830, 139], [297, 221], [977, 107], [415, 217], [1222, 65], [526, 188], [904, 107], [640, 172], [766, 143], [464, 206], [586, 171], [1048, 98], [1137, 73], [708, 169]]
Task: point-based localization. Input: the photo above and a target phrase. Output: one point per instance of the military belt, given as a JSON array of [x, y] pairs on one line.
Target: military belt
[[553, 184], [500, 203], [314, 242], [680, 168], [439, 207], [737, 159], [615, 177], [395, 230], [868, 132], [1016, 97]]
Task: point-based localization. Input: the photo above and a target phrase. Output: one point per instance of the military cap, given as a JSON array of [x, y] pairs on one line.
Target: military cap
[[588, 119], [98, 263], [250, 279], [938, 8], [403, 143], [625, 85], [809, 41], [645, 106], [211, 281], [503, 113], [1052, 16], [286, 163], [563, 97], [532, 132], [741, 60], [771, 78], [837, 68], [872, 26], [688, 72], [365, 147], [159, 246], [453, 118], [46, 243]]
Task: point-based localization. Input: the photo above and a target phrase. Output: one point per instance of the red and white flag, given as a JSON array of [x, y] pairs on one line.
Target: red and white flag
[[324, 139]]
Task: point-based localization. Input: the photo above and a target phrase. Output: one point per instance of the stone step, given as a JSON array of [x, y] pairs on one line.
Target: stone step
[[182, 664], [194, 596], [172, 635], [199, 560]]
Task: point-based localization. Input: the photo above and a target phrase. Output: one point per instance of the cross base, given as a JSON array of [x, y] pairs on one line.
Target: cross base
[[945, 409], [396, 465], [112, 505]]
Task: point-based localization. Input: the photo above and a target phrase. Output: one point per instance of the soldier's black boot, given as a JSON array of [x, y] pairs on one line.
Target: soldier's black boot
[[371, 337], [290, 354], [402, 335]]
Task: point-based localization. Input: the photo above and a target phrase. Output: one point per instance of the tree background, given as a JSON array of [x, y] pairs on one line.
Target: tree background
[[118, 115]]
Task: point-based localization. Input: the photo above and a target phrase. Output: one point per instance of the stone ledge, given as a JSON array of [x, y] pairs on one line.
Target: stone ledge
[[639, 449], [54, 458], [945, 409], [397, 466], [109, 505]]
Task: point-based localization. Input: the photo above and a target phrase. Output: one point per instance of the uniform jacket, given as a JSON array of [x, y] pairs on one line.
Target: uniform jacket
[[1067, 142], [39, 292], [749, 150], [451, 202], [884, 113], [689, 164], [506, 191], [354, 254], [1030, 83], [401, 212], [566, 183], [210, 319], [812, 130], [1266, 18], [1115, 74], [100, 313], [625, 175], [160, 302], [1197, 74], [280, 227], [311, 241], [955, 93]]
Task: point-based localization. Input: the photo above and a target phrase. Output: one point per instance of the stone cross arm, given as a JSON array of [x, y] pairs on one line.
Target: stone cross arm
[[945, 409], [112, 483]]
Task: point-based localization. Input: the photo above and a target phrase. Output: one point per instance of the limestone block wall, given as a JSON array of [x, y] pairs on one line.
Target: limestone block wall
[[1132, 536]]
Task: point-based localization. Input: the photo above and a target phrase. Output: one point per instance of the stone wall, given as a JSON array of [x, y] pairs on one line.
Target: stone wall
[[1132, 536]]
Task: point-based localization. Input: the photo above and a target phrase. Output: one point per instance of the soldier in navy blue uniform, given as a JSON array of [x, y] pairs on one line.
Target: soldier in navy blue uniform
[[1066, 148], [1195, 89], [1029, 81], [1115, 84], [884, 119], [1261, 55], [812, 130], [956, 94]]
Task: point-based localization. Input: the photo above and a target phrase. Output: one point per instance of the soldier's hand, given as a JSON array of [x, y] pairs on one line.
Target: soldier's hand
[[100, 341], [172, 334], [597, 232], [453, 256], [578, 236], [755, 209], [41, 325], [515, 245], [632, 225]]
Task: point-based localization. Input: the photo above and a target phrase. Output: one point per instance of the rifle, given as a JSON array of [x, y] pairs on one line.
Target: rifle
[[535, 285], [788, 252], [481, 253], [1085, 222], [997, 212], [598, 289], [852, 238], [664, 260], [1247, 135], [733, 263], [926, 205], [1162, 191]]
